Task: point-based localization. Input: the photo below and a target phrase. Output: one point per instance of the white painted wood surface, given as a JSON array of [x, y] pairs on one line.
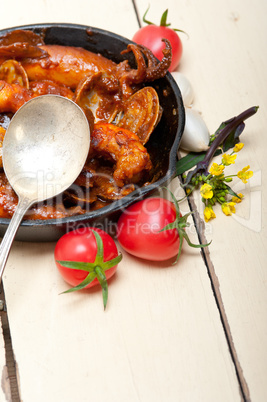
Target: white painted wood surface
[[161, 338]]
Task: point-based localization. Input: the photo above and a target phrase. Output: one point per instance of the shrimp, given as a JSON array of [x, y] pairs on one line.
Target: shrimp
[[124, 148]]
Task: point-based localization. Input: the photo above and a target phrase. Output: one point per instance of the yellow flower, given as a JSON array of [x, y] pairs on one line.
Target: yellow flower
[[228, 208], [245, 174], [209, 214], [228, 159], [216, 169], [206, 191], [238, 147], [236, 199]]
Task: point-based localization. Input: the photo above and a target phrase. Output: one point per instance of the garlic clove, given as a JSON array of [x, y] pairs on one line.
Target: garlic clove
[[196, 135], [185, 88]]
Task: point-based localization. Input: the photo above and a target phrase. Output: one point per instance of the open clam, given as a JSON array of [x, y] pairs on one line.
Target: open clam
[[12, 72], [96, 94], [142, 113]]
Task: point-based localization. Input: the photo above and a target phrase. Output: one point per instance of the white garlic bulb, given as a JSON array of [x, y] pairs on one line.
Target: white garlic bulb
[[185, 88], [196, 135]]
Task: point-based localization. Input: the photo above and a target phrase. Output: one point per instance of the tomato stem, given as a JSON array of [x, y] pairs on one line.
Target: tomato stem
[[90, 277], [100, 274], [144, 18], [96, 269], [180, 223], [163, 21]]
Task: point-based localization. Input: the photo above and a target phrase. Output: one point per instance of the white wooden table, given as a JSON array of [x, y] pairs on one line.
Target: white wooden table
[[196, 331]]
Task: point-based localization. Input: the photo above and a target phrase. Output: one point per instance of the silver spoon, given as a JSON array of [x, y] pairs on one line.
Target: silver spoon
[[44, 150]]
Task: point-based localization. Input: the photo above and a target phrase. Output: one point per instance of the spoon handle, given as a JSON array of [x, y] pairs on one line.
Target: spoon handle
[[22, 207]]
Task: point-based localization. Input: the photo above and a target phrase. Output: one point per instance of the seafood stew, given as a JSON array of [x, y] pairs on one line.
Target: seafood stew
[[133, 106]]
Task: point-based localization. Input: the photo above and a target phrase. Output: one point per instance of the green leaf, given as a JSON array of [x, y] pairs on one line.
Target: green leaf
[[221, 127], [180, 223], [191, 160], [163, 21], [188, 161], [176, 205], [90, 277], [232, 192], [96, 269], [195, 245], [83, 266], [233, 138], [179, 251], [100, 249], [100, 274], [180, 30], [111, 263], [145, 20], [170, 226]]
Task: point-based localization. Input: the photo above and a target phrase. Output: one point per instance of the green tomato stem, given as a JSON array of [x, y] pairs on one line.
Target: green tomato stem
[[90, 277], [100, 274], [144, 18], [163, 21], [96, 269], [180, 223]]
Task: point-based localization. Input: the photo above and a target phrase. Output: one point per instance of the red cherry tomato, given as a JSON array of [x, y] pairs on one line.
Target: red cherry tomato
[[138, 230], [87, 257], [151, 37]]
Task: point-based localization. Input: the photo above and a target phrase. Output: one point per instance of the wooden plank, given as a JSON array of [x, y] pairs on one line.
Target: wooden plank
[[224, 58]]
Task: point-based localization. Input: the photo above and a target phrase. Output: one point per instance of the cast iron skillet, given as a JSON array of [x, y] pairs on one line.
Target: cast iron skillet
[[162, 145]]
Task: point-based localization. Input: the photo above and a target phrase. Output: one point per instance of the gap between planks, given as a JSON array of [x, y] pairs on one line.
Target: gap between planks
[[136, 13], [215, 285], [11, 366]]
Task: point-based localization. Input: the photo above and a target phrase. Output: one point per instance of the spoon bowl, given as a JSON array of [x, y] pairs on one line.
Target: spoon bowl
[[44, 150]]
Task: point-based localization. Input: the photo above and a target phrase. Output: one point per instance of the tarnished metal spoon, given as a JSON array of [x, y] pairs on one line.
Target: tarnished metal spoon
[[44, 150]]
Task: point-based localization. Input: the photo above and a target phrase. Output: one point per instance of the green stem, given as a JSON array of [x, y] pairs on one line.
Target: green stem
[[202, 166], [103, 282], [231, 175], [144, 18], [225, 132], [163, 21]]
